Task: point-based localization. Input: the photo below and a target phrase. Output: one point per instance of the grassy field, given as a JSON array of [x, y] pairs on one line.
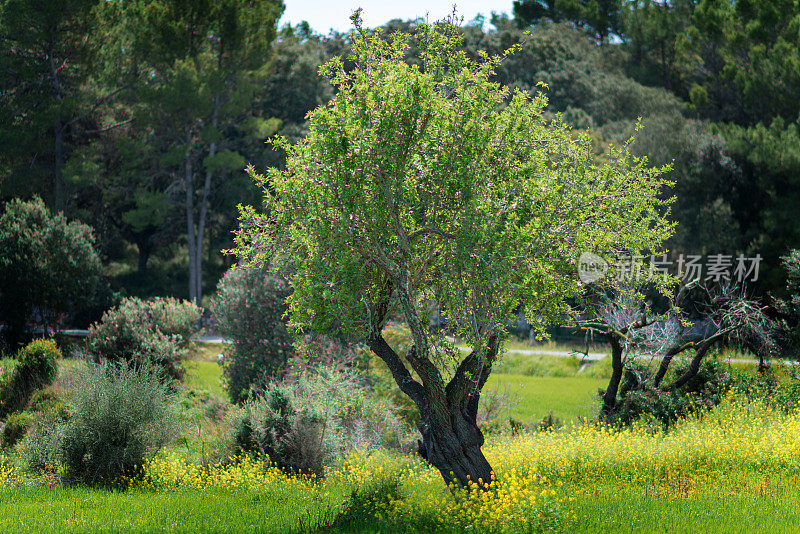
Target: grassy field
[[532, 397], [532, 385], [204, 375], [39, 509], [735, 469]]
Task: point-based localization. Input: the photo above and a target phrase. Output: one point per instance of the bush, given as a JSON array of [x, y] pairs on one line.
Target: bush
[[640, 400], [248, 310], [48, 265], [41, 447], [17, 425], [173, 317], [142, 332], [120, 418], [272, 427], [45, 400], [303, 425], [37, 367]]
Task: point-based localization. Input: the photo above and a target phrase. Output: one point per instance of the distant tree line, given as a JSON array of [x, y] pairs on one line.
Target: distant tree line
[[139, 117]]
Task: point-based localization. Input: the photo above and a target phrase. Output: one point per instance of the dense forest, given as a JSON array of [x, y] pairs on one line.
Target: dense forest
[[138, 118]]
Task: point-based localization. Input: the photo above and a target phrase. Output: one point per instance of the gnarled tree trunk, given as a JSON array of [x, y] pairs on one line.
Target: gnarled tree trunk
[[451, 440]]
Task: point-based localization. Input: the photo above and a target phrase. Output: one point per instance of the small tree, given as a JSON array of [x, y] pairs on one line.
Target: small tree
[[789, 309], [47, 265], [425, 188], [633, 329], [248, 310]]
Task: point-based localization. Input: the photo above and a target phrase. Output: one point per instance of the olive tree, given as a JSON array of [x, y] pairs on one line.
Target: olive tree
[[424, 186]]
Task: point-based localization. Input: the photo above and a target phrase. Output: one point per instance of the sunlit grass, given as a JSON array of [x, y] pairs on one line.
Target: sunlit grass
[[533, 397], [205, 376], [733, 469]]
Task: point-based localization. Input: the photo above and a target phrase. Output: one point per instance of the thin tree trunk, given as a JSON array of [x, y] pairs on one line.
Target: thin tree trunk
[[58, 163], [58, 142], [190, 234], [145, 249], [667, 360], [201, 221], [694, 365]]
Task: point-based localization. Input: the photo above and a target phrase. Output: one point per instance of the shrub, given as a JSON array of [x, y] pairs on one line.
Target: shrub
[[272, 427], [48, 265], [173, 317], [325, 413], [37, 367], [640, 400], [17, 425], [248, 310], [41, 447], [45, 400], [143, 332], [120, 417]]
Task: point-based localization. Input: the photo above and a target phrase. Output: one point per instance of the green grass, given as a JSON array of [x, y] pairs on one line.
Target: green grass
[[202, 370], [570, 398], [610, 508], [206, 376], [601, 508], [98, 510]]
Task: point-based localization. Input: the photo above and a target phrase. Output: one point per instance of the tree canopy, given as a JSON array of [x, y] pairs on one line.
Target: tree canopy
[[427, 187]]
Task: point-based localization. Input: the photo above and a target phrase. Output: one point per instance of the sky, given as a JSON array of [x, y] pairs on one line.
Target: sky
[[324, 15]]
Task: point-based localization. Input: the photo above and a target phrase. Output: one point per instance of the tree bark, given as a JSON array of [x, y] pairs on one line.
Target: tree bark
[[58, 140], [197, 234], [694, 365], [610, 396], [455, 449], [145, 249], [451, 440], [667, 360]]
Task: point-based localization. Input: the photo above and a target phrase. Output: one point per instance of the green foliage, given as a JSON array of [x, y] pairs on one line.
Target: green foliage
[[37, 367], [47, 265], [711, 193], [46, 401], [789, 323], [199, 67], [272, 427], [600, 17], [41, 446], [743, 54], [173, 317], [17, 425], [454, 180], [119, 418], [48, 108], [653, 29], [639, 400], [248, 310], [305, 425], [143, 332]]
